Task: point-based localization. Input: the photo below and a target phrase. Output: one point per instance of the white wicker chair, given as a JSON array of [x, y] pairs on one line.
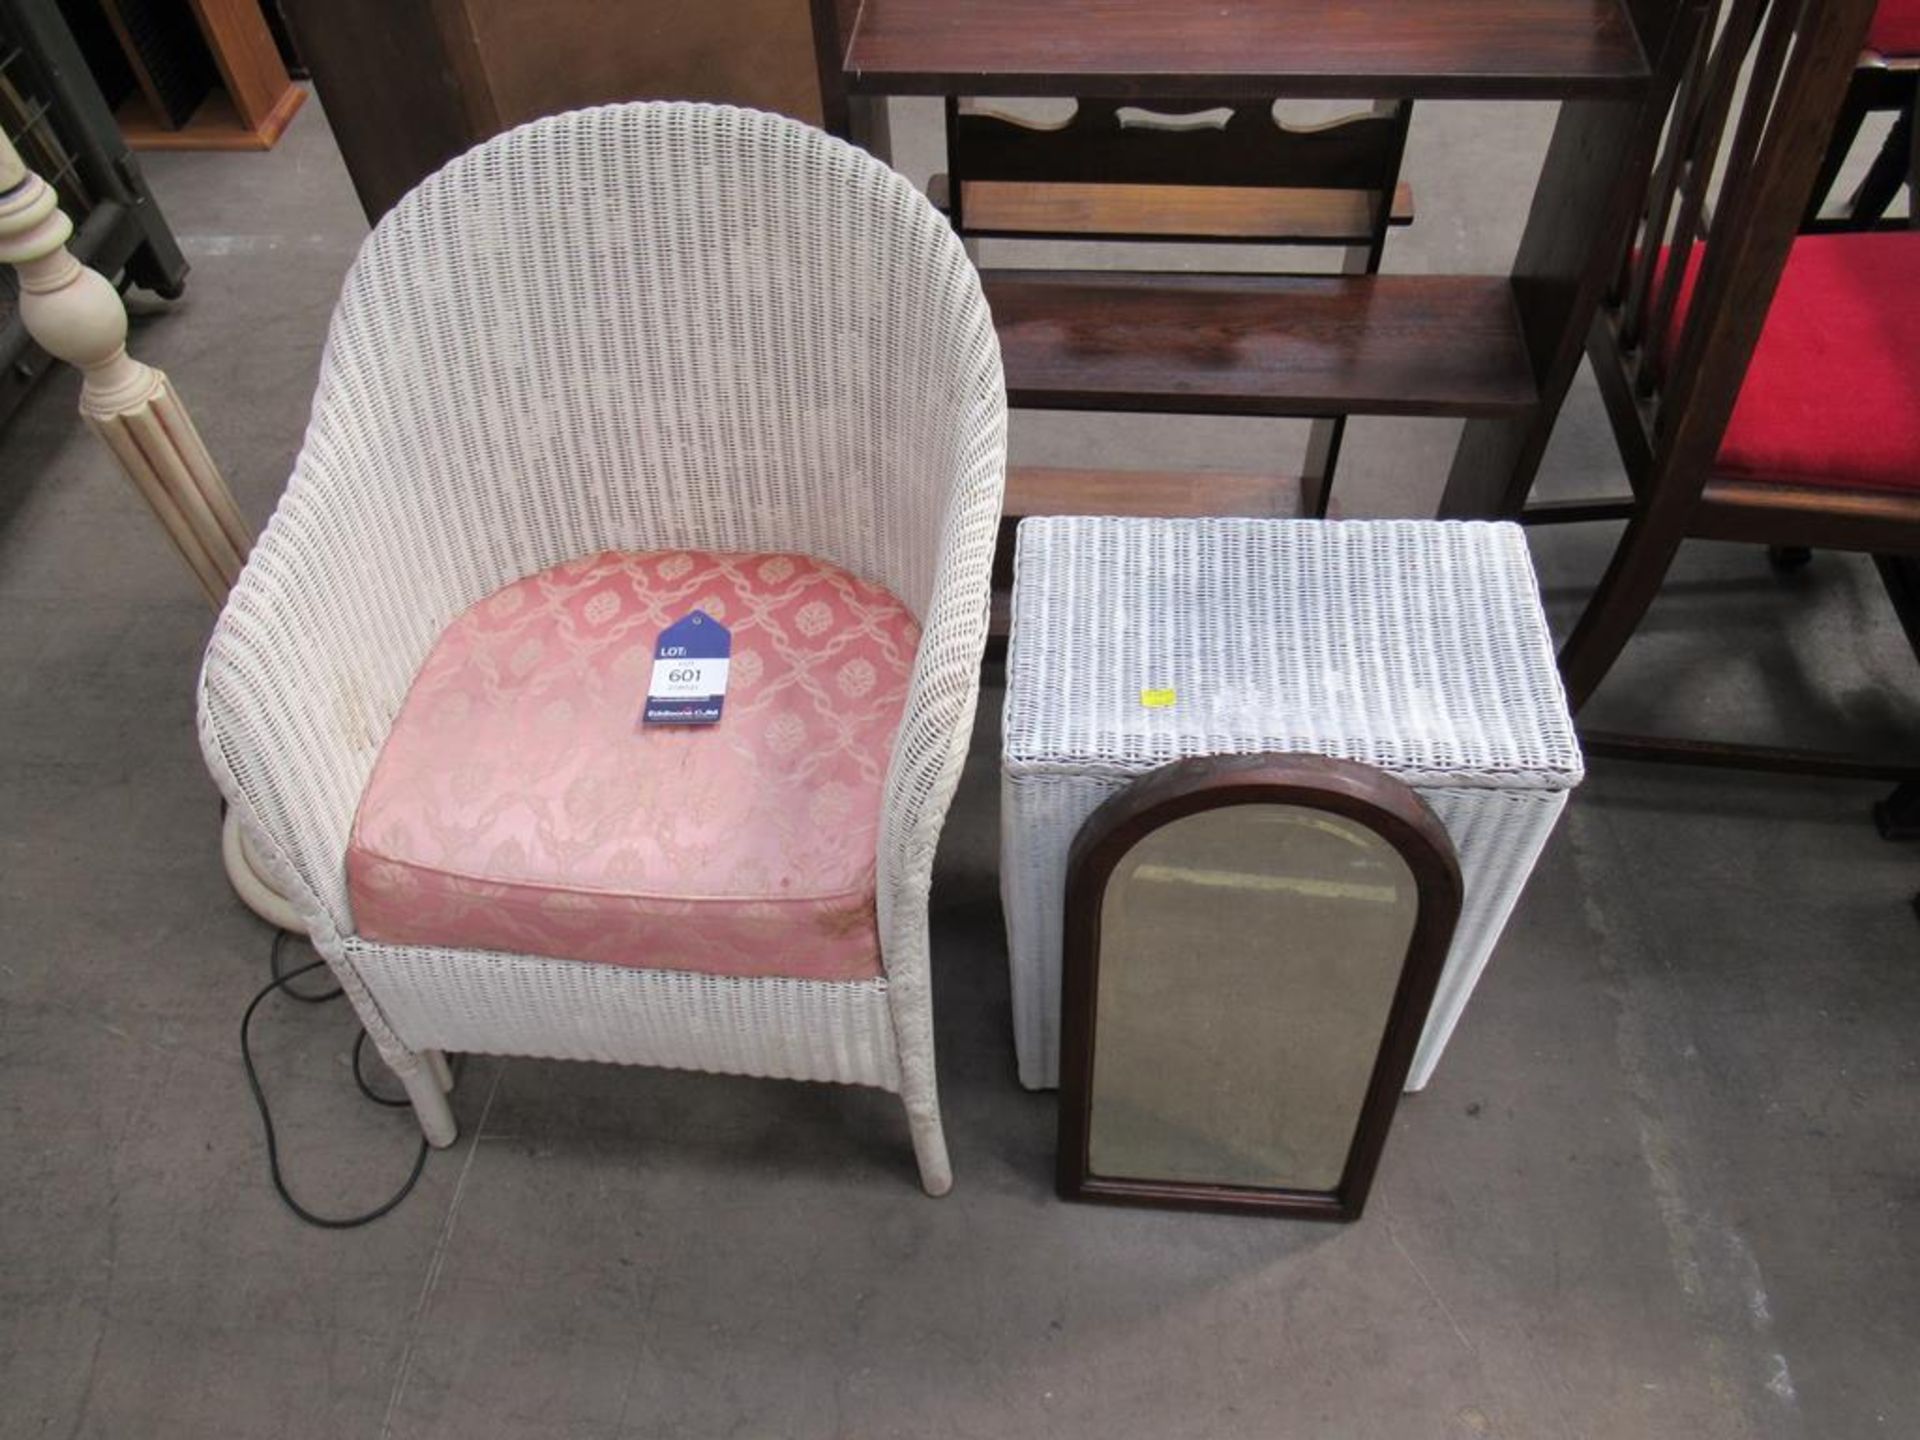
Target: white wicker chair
[[638, 327]]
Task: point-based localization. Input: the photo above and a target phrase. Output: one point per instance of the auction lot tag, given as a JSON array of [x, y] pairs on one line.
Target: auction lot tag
[[689, 672]]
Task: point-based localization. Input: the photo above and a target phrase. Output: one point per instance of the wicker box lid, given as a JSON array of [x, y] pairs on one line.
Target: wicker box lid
[[1418, 646]]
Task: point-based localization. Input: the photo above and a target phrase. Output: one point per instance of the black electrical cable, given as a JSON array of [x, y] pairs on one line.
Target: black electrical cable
[[317, 997], [359, 1078], [280, 982]]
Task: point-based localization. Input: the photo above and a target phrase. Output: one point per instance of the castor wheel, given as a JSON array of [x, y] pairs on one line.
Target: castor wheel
[[1787, 558], [1898, 816]]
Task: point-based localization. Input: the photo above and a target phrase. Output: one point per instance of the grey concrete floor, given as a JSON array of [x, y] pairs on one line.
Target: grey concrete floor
[[1664, 1184]]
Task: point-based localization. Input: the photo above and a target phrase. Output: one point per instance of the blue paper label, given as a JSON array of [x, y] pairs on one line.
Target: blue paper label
[[689, 683]]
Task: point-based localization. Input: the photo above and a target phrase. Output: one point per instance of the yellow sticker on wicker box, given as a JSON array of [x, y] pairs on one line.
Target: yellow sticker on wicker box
[[1157, 699]]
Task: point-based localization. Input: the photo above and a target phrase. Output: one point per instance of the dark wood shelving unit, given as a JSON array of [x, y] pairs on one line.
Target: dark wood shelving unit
[[1500, 351]]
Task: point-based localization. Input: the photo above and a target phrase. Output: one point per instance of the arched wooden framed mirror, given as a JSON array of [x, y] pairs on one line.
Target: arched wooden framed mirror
[[1251, 947]]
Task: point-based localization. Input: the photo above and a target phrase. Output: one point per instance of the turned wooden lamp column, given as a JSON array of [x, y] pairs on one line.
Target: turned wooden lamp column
[[76, 315]]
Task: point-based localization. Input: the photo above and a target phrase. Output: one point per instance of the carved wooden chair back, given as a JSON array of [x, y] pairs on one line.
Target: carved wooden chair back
[[1746, 137]]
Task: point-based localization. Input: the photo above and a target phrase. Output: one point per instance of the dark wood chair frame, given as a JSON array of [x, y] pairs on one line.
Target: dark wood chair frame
[[1880, 84], [1669, 417], [1361, 793]]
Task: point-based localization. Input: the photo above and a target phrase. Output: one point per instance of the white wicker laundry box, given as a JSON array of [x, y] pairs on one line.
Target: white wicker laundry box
[[1417, 646]]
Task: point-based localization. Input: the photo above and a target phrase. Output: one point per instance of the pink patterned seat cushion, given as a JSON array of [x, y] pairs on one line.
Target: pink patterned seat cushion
[[520, 805]]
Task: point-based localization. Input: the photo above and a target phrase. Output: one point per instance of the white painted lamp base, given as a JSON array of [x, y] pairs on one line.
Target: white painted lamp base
[[252, 887]]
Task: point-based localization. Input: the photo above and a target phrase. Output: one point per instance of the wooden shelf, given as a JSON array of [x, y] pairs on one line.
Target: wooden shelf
[[1388, 49], [1269, 214], [1261, 345], [216, 125], [1044, 490]]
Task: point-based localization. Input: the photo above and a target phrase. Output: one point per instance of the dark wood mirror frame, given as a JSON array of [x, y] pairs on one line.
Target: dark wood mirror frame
[[1356, 792]]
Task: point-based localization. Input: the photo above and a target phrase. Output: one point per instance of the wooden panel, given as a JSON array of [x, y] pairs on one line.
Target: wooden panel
[[409, 86], [833, 22], [1225, 212], [249, 61], [563, 54], [214, 126], [394, 96], [1261, 345], [167, 55], [99, 44], [1388, 48], [1043, 490]]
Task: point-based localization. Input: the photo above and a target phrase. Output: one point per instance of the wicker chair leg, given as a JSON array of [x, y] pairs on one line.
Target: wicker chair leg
[[442, 1071], [430, 1105], [929, 1143], [912, 1009]]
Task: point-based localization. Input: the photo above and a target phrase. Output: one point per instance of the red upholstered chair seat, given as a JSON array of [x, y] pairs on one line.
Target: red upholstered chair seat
[[1832, 396], [1896, 28]]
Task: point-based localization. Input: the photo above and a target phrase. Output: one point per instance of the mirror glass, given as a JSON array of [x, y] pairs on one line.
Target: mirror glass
[[1248, 960]]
